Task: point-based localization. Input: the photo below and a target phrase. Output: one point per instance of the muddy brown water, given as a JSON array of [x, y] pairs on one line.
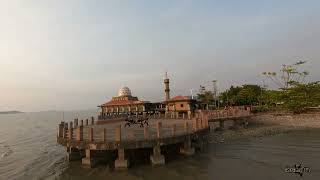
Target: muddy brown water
[[28, 150]]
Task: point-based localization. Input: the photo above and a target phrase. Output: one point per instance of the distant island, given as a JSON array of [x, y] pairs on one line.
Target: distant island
[[10, 112]]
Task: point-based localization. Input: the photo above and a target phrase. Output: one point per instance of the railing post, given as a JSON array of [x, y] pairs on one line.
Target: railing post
[[81, 122], [65, 130], [91, 134], [174, 128], [104, 135], [206, 122], [195, 125], [70, 130], [186, 127], [159, 128], [61, 127], [75, 123], [132, 134], [92, 120], [80, 133], [70, 133], [146, 132], [118, 133], [87, 122]]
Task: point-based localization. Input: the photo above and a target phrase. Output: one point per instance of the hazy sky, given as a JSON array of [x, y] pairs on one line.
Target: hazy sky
[[76, 54]]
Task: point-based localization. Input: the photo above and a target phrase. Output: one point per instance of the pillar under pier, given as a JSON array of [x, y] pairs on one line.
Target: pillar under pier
[[221, 123], [121, 162], [89, 161], [186, 149], [157, 158], [73, 154]]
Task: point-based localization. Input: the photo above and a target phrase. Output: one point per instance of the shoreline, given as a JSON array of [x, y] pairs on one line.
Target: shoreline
[[269, 124]]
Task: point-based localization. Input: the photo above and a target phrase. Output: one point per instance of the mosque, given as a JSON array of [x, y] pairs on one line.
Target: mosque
[[126, 104]]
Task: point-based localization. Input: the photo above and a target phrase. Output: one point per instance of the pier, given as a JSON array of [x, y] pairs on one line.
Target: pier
[[89, 140]]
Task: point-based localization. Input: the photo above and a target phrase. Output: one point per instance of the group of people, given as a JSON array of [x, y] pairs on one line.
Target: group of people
[[132, 121]]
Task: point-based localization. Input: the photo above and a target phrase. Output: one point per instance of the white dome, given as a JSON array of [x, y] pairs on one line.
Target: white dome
[[125, 91]]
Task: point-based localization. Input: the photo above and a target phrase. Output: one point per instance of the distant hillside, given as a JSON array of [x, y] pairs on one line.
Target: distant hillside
[[10, 112]]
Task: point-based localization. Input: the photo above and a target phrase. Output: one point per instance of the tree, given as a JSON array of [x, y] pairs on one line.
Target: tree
[[289, 76], [294, 92], [206, 97], [301, 96], [247, 94]]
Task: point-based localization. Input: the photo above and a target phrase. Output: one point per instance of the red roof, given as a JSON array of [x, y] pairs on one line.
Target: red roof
[[180, 98], [122, 102]]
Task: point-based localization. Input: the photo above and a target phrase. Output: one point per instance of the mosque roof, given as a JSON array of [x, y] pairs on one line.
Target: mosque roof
[[124, 98], [181, 98], [123, 102], [124, 91]]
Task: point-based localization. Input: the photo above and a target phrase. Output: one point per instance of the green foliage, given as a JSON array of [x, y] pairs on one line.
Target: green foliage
[[289, 75], [270, 97], [261, 108], [206, 97], [245, 95], [294, 93], [301, 96]]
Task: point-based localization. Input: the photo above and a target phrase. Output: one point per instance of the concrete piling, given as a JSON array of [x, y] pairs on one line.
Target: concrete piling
[[121, 162], [221, 123], [157, 158], [186, 149], [73, 154], [89, 161]]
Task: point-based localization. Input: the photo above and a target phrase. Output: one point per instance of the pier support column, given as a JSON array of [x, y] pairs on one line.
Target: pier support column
[[186, 149], [221, 122], [157, 158], [88, 160], [73, 154], [189, 115], [121, 162]]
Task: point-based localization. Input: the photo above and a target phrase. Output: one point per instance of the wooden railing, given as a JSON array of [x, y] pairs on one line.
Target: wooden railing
[[75, 131], [222, 114]]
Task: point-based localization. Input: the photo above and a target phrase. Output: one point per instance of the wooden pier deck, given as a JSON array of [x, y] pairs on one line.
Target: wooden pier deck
[[84, 138]]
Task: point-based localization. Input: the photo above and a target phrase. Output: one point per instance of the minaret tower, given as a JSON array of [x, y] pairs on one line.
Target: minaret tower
[[167, 87]]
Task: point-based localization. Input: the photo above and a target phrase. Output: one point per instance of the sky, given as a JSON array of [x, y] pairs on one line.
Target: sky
[[76, 54]]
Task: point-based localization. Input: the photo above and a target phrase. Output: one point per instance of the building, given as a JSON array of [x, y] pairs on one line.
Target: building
[[181, 106], [126, 104]]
